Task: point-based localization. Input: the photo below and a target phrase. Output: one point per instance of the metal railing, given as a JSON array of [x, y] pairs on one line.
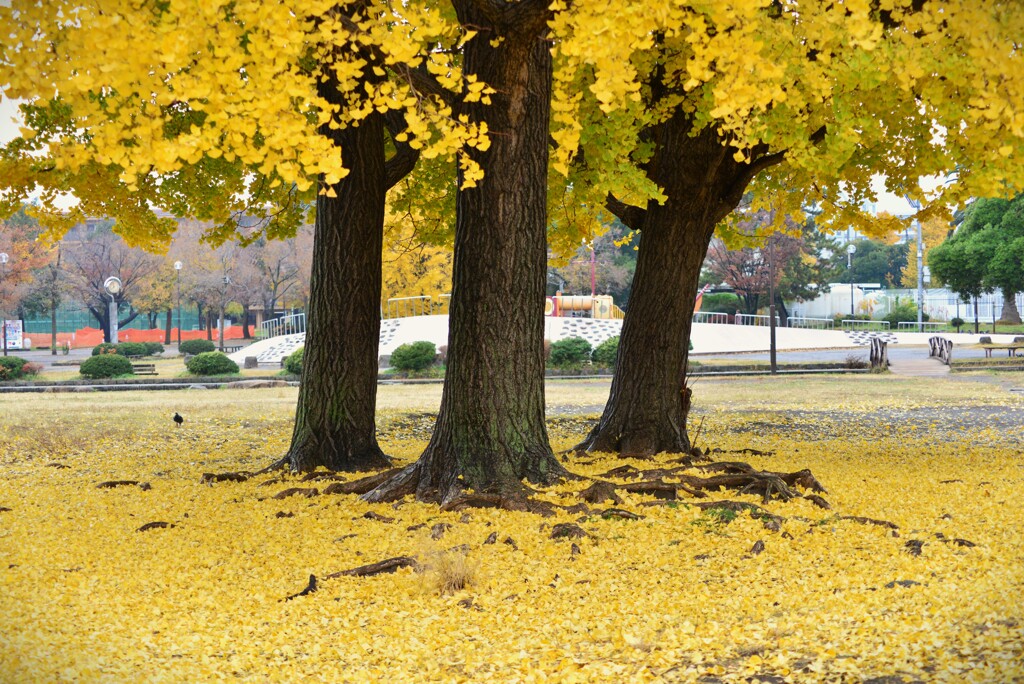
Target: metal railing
[[710, 317], [928, 326], [617, 313], [755, 319], [811, 323], [284, 325], [856, 324], [403, 307]]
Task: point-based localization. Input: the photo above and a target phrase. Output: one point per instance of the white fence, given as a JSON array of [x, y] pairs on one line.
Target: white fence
[[925, 326], [812, 323], [751, 319], [855, 324], [710, 317]]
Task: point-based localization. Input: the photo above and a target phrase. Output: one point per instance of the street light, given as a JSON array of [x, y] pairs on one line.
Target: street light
[[177, 271], [3, 316], [850, 249], [113, 286], [223, 298]]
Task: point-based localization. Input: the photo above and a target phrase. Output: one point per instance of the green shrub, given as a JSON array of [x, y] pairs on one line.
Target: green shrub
[[903, 311], [131, 349], [414, 357], [605, 353], [293, 364], [154, 348], [211, 363], [957, 323], [12, 367], [194, 347], [570, 352], [104, 348], [720, 302], [105, 366]]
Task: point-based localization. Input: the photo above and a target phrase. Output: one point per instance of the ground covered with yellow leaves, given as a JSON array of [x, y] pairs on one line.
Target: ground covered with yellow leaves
[[91, 591]]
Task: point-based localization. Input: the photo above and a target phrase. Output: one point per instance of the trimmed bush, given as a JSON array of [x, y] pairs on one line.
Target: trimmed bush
[[194, 347], [105, 366], [12, 367], [131, 349], [720, 302], [104, 348], [293, 364], [211, 363], [154, 348], [570, 352], [414, 357], [605, 353]]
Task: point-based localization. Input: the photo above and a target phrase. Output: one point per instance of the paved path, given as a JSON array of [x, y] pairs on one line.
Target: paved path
[[918, 367]]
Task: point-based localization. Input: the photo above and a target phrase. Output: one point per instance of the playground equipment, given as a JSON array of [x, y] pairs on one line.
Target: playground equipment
[[599, 306]]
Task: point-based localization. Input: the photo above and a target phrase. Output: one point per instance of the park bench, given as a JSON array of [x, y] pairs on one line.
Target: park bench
[[1012, 349], [144, 369], [233, 348]]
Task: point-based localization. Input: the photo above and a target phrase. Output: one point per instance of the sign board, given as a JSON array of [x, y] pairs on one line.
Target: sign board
[[13, 332]]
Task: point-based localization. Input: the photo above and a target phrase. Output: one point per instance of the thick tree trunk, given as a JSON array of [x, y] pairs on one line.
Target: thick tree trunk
[[1010, 313], [649, 402], [168, 324], [490, 433], [334, 421]]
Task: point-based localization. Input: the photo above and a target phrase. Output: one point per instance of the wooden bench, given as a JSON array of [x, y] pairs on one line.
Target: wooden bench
[[233, 348], [1011, 349], [144, 368]]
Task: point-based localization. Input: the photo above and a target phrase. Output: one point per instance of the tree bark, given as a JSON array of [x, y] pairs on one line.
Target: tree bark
[[168, 324], [53, 327], [490, 432], [245, 323], [649, 401], [334, 420], [1010, 313]]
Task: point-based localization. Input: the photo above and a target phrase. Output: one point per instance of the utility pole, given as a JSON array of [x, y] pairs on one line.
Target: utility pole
[[771, 304]]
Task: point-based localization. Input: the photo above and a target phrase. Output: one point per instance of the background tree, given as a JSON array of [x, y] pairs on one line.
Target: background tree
[[245, 110], [712, 99], [873, 262], [933, 232], [961, 263], [614, 261], [98, 257]]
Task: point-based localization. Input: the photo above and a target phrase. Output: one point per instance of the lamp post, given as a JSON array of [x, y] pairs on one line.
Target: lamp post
[[177, 278], [850, 249], [223, 298], [771, 304], [3, 316], [113, 286]]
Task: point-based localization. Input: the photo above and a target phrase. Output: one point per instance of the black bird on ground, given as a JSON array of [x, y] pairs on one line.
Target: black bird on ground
[[178, 419]]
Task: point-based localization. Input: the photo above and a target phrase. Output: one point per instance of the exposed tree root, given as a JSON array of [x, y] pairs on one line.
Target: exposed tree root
[[209, 478], [144, 486], [387, 565], [154, 526], [363, 484], [279, 464], [310, 588], [296, 491], [870, 521]]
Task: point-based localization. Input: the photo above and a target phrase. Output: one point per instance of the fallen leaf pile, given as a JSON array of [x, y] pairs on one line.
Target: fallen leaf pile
[[119, 563]]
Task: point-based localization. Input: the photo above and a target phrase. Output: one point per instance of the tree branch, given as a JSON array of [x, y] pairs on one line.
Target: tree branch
[[405, 157], [631, 216]]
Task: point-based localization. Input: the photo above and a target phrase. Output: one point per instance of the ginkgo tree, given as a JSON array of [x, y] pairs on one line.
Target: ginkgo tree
[[802, 103], [220, 111]]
